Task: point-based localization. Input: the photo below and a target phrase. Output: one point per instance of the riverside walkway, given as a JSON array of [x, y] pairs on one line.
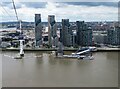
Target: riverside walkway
[[55, 49]]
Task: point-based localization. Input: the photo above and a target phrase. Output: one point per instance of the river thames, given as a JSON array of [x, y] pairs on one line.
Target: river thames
[[41, 69]]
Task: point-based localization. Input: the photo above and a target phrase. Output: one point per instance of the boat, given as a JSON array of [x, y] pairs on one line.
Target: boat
[[18, 57], [86, 58]]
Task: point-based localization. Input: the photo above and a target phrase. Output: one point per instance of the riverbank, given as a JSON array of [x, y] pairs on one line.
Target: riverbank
[[54, 49]]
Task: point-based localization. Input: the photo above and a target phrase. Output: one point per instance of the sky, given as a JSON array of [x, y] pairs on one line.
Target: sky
[[76, 10]]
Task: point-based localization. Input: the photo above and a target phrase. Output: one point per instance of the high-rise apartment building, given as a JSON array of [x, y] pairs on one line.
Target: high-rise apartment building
[[84, 34], [113, 36], [66, 33], [38, 30], [52, 31]]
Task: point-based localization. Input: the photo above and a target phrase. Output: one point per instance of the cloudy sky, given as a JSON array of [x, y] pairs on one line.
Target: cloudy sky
[[77, 10]]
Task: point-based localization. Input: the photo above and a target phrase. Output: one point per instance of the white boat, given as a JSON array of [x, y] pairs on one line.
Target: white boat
[[70, 56], [82, 57], [18, 57], [86, 57]]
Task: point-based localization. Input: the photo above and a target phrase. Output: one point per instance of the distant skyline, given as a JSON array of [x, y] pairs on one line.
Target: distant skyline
[[87, 11]]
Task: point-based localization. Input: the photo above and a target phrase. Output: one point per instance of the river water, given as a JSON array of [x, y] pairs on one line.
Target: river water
[[41, 69]]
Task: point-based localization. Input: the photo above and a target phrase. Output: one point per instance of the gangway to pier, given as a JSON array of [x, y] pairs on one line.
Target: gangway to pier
[[21, 40], [82, 53]]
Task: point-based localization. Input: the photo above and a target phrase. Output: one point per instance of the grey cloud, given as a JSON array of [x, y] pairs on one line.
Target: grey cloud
[[110, 4], [58, 4], [10, 5], [35, 4], [27, 4]]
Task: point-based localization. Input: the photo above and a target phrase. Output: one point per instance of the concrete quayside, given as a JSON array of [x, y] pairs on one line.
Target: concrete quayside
[[55, 49]]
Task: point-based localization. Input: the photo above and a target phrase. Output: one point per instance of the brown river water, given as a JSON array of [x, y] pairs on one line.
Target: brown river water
[[41, 69]]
